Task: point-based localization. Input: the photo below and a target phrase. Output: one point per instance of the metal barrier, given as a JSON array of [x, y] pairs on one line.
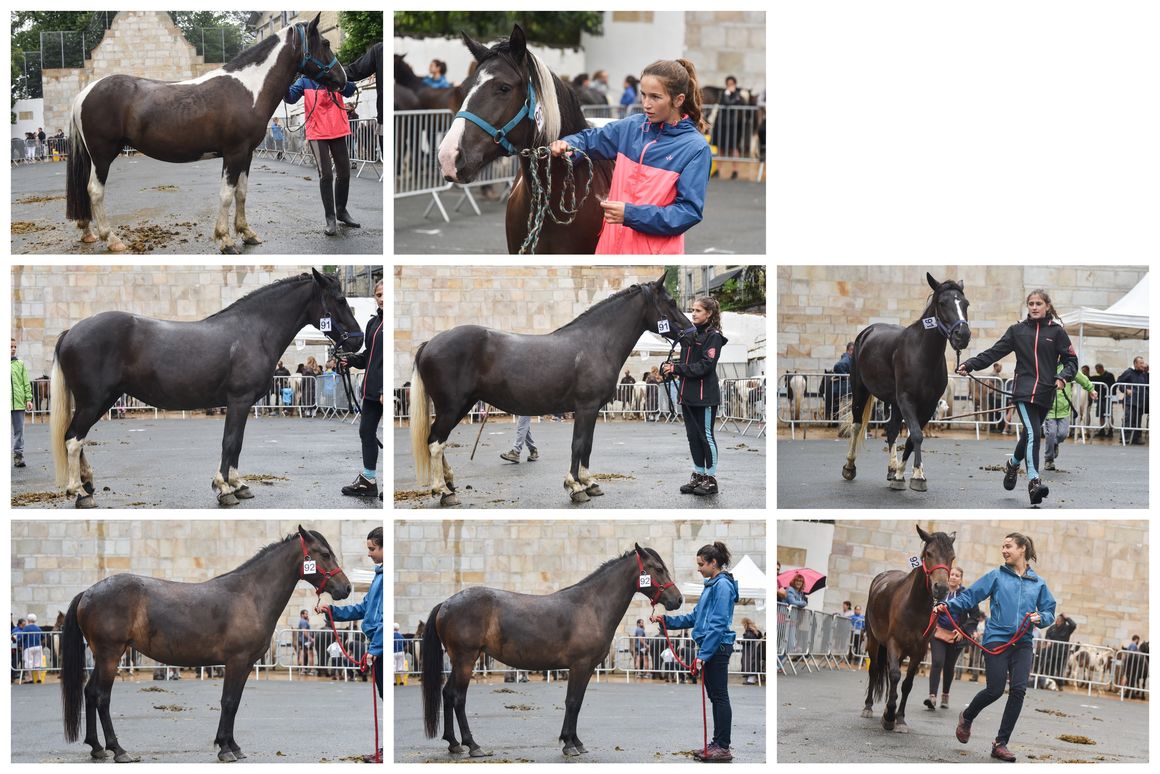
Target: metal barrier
[[743, 403], [735, 130], [1133, 404], [365, 145], [1130, 674], [315, 650]]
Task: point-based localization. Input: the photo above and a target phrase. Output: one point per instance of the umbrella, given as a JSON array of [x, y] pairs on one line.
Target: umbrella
[[814, 579]]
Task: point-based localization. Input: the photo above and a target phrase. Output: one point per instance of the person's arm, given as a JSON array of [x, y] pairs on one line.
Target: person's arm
[[297, 89], [1045, 606], [683, 621], [1084, 382], [686, 211], [1000, 349], [353, 612], [599, 142], [971, 597], [1066, 353], [710, 354], [363, 67]]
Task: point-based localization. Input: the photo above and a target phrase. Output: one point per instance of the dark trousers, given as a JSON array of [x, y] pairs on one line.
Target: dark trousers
[[379, 674], [1013, 665], [942, 663], [1030, 436], [699, 422], [372, 414], [333, 182], [717, 689]]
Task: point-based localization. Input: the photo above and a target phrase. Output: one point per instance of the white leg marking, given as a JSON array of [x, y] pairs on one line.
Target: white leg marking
[[220, 485], [585, 477], [241, 225], [73, 446], [438, 478], [221, 229], [572, 485]]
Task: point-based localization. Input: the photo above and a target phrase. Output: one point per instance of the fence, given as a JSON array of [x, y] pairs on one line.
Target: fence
[[737, 132], [743, 404], [811, 640]]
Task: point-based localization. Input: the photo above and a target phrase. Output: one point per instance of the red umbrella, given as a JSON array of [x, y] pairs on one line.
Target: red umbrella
[[814, 579]]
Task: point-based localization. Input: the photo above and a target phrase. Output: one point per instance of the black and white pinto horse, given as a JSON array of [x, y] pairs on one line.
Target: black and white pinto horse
[[906, 368], [223, 360], [222, 114]]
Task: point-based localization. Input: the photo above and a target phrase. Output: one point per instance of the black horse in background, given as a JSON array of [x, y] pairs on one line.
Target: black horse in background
[[224, 360], [532, 632], [906, 369], [222, 114], [574, 368], [227, 620], [511, 84]]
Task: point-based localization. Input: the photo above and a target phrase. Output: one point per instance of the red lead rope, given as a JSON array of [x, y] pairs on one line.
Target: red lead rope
[[693, 671], [1024, 627], [363, 664]]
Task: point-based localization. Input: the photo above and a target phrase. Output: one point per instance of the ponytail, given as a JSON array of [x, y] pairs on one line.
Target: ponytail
[[680, 77], [716, 552]]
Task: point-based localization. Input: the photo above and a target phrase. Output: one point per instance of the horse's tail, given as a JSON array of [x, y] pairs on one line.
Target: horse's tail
[[432, 673], [72, 672], [80, 166], [420, 426], [60, 407], [878, 673], [798, 383]]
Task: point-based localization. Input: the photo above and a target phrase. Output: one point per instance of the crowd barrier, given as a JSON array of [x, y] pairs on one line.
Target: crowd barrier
[[808, 640], [363, 145], [736, 131]]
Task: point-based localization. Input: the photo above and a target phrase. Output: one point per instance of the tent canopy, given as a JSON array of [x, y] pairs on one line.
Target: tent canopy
[[1125, 319]]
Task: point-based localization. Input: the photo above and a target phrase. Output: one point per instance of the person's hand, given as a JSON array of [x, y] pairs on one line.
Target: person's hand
[[322, 610], [1092, 394], [655, 618], [1035, 618], [698, 665], [1060, 384], [955, 637], [380, 399], [28, 405], [962, 370], [940, 608], [558, 147], [668, 368], [613, 211]]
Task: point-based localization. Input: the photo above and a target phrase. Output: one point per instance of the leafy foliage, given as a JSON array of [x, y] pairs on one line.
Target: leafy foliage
[[745, 291], [556, 28], [361, 30]]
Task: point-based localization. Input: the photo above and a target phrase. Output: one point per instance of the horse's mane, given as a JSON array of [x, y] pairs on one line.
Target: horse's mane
[[600, 305], [600, 570], [262, 291], [253, 55], [262, 552], [560, 105]]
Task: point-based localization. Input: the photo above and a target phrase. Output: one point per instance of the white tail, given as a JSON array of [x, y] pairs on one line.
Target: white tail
[[60, 416], [420, 430]]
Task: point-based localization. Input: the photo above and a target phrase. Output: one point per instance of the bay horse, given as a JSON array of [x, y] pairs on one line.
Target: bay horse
[[227, 620], [897, 615], [222, 114], [906, 369], [570, 629], [224, 360], [514, 103], [574, 368]]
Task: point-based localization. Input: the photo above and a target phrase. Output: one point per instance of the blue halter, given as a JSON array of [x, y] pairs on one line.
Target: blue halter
[[500, 136], [308, 58]]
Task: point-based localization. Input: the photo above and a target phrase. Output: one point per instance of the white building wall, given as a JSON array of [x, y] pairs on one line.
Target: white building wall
[[627, 47], [36, 107], [564, 62]]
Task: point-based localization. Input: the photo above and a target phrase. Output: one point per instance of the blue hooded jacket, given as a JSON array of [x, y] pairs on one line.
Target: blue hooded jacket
[[712, 617], [370, 610], [1012, 597]]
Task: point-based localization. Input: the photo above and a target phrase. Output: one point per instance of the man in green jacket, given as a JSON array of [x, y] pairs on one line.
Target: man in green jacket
[[1058, 422], [21, 402]]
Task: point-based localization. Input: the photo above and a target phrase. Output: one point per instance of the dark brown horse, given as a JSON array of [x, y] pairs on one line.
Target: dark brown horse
[[227, 620], [897, 615], [906, 368], [222, 114], [525, 106], [570, 629]]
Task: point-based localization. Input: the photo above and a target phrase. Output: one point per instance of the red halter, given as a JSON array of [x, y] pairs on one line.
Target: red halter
[[931, 570], [660, 589], [326, 575]]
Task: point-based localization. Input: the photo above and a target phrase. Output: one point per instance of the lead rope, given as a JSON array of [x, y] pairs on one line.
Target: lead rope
[[363, 664], [1024, 627], [693, 671], [541, 193]]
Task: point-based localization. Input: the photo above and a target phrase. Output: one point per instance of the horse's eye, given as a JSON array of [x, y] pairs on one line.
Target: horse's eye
[[504, 88]]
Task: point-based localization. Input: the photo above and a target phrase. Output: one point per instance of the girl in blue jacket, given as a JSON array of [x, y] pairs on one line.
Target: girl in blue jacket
[[1017, 595], [712, 621]]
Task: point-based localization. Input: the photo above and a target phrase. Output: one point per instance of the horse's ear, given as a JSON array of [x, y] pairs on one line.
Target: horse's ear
[[925, 537], [518, 43], [953, 535], [636, 547], [319, 278], [664, 276], [305, 535], [314, 22], [477, 49], [931, 281]]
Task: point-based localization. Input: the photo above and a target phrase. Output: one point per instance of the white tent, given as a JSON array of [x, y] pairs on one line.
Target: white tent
[[1125, 319], [742, 330], [751, 582]]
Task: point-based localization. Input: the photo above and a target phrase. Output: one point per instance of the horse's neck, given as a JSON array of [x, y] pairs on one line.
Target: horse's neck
[[919, 595], [615, 339], [276, 331], [613, 600], [281, 73], [272, 597]]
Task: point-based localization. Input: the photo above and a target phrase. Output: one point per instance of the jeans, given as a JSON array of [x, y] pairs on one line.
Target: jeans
[[716, 679], [18, 432], [1013, 664], [1054, 433], [524, 433]]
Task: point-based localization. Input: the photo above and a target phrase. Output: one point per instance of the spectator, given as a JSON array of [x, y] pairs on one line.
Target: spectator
[[21, 402], [628, 98], [1058, 423], [1134, 645], [653, 395], [437, 79], [310, 376], [858, 623], [400, 655], [278, 137], [751, 645], [523, 435], [599, 83], [624, 392], [1103, 380], [727, 128], [946, 644], [840, 386], [17, 650], [41, 146], [33, 652], [281, 381], [305, 641], [1135, 399], [639, 647]]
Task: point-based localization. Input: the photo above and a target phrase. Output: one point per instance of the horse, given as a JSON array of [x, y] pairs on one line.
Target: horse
[[570, 629], [224, 360], [897, 613], [222, 114], [514, 104], [227, 620], [906, 369], [424, 97], [574, 368], [795, 388]]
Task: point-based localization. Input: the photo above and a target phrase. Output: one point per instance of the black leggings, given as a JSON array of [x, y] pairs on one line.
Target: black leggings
[[372, 414], [942, 664], [699, 422], [1030, 437], [334, 184]]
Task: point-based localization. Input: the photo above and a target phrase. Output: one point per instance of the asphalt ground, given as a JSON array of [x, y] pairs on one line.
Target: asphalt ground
[[819, 721], [638, 722], [170, 463], [637, 464], [278, 721], [734, 223], [961, 473], [161, 208]]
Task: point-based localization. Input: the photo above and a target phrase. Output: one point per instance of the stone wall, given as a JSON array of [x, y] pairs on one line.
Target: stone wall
[[1097, 570], [435, 559], [820, 308], [53, 561], [722, 43]]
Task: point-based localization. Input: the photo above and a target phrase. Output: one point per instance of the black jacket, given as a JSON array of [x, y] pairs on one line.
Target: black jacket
[[371, 359], [1039, 346], [370, 63], [697, 367]]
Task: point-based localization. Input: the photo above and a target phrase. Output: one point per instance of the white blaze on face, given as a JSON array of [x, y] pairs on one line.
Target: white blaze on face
[[959, 309], [449, 148]]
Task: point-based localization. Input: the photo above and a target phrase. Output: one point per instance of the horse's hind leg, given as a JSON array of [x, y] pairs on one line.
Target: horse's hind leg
[[97, 178], [80, 473], [900, 720], [911, 413], [442, 477], [461, 673], [91, 737], [861, 408], [106, 668], [241, 225]]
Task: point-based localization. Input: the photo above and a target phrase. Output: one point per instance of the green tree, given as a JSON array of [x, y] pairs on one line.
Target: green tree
[[218, 36], [27, 26], [361, 30], [554, 28], [745, 291]]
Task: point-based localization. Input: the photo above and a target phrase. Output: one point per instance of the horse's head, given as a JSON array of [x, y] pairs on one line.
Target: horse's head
[[332, 311], [938, 556], [315, 59], [661, 313], [325, 574], [510, 104], [653, 579], [950, 310]]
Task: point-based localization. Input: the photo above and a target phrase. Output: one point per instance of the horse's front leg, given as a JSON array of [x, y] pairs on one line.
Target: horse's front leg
[[236, 414], [232, 687], [241, 225], [577, 684], [591, 488], [583, 427], [241, 489], [911, 670], [911, 414], [221, 229]]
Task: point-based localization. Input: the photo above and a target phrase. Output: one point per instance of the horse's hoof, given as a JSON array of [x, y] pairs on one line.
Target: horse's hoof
[[88, 239], [88, 487], [238, 754], [580, 749], [124, 757], [867, 713], [252, 240], [477, 752], [580, 497], [449, 499], [243, 493], [456, 749], [100, 755], [117, 247], [86, 501], [849, 471], [571, 752], [593, 490], [898, 483], [227, 499], [888, 725], [901, 728], [918, 484], [229, 250], [225, 756]]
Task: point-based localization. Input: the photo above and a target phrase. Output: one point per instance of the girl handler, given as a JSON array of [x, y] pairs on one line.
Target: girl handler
[[1040, 344], [662, 164], [700, 395], [946, 643], [712, 620], [1019, 599]]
